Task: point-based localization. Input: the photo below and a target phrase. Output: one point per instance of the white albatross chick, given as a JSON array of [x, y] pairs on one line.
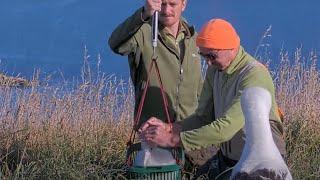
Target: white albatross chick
[[154, 156], [260, 158]]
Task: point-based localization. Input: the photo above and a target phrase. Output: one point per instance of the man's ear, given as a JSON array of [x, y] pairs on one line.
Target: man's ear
[[184, 5]]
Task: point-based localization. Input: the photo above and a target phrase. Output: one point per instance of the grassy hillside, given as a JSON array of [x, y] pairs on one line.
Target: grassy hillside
[[47, 134]]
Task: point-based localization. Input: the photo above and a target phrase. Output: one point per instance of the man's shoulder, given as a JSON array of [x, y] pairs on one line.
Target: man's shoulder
[[189, 26], [259, 67], [252, 64], [258, 73]]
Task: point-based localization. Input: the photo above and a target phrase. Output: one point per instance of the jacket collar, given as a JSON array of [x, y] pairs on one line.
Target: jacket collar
[[239, 61], [183, 27]]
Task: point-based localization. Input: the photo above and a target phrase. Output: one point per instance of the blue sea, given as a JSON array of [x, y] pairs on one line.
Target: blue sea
[[51, 36]]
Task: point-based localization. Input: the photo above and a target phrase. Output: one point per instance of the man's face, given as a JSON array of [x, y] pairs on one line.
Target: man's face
[[171, 11], [218, 58]]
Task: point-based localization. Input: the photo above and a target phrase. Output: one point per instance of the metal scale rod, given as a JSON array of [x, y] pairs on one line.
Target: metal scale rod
[[155, 31]]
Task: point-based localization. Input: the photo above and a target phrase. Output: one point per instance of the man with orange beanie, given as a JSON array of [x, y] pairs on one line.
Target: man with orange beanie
[[218, 119]]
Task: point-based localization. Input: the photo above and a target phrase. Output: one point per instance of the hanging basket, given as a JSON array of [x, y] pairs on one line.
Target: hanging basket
[[168, 172]]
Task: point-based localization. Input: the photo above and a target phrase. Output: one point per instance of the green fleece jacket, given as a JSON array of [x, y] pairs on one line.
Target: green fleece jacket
[[179, 65], [219, 118]]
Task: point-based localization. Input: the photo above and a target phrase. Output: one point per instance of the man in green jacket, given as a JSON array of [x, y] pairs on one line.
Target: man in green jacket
[[177, 58], [230, 71]]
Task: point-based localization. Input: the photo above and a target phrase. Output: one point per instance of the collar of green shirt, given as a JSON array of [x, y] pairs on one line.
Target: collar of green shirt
[[238, 62], [183, 32]]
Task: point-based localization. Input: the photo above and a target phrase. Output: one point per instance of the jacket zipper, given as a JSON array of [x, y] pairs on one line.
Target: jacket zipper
[[178, 90]]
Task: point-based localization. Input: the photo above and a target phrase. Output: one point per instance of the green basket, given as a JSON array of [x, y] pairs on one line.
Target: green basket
[[155, 173], [169, 172]]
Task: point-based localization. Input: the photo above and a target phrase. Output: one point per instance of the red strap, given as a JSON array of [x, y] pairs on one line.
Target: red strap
[[164, 99], [141, 103]]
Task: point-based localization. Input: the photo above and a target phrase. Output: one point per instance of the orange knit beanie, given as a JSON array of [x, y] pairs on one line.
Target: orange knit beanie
[[218, 34]]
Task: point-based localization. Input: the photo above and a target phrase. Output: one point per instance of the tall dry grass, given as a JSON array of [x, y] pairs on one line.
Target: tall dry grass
[[49, 133], [298, 94]]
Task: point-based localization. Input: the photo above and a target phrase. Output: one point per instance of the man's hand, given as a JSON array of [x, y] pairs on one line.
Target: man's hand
[[150, 7], [156, 132]]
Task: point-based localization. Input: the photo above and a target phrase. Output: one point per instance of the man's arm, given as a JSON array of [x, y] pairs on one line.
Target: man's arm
[[223, 129], [126, 37], [220, 130]]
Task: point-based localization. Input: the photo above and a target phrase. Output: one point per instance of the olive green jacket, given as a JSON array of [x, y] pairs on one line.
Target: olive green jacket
[[180, 73], [219, 118]]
